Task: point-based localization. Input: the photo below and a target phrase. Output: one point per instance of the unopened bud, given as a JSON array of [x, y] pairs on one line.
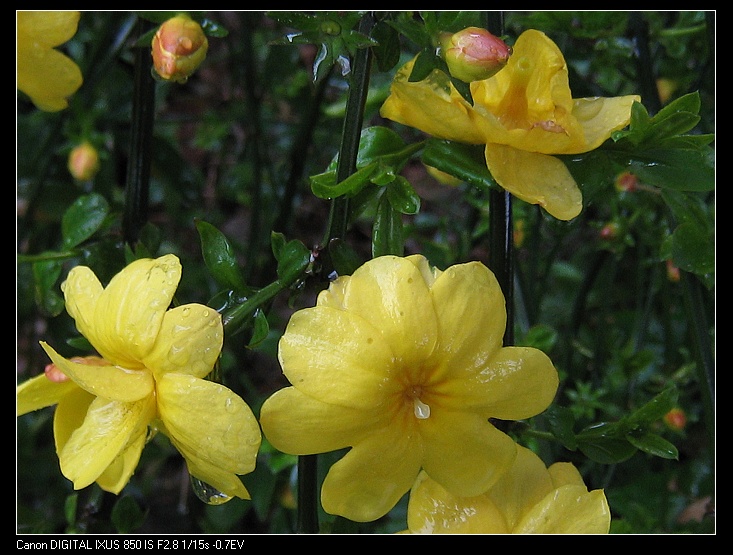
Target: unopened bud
[[626, 182], [473, 54], [83, 162], [673, 272], [609, 231], [676, 419], [178, 48]]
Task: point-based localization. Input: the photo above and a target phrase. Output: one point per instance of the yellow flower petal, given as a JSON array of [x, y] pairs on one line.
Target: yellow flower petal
[[600, 117], [46, 75], [517, 383], [434, 510], [110, 382], [82, 290], [301, 425], [228, 483], [337, 357], [108, 428], [535, 178], [390, 293], [568, 510], [417, 103], [189, 341], [39, 392], [525, 484], [69, 415], [464, 452], [372, 477], [210, 421], [118, 473], [565, 474], [127, 315], [471, 317]]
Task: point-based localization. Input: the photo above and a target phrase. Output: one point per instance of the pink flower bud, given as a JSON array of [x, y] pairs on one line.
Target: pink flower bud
[[178, 48], [83, 162], [473, 54], [626, 182], [676, 419]]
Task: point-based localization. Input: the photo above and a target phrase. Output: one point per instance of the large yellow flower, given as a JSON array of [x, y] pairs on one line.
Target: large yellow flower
[[523, 114], [150, 375], [46, 75], [404, 364], [529, 499]]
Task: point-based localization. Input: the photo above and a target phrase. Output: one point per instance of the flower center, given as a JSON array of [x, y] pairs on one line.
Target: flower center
[[512, 110]]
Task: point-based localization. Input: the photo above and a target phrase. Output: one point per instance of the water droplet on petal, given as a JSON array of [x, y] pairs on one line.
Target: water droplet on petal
[[422, 411], [208, 493]]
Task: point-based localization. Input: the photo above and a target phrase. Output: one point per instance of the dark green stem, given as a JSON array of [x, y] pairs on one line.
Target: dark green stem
[[141, 135], [338, 219], [501, 236]]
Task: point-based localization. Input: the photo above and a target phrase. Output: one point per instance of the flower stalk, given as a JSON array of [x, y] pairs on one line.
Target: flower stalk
[[141, 135]]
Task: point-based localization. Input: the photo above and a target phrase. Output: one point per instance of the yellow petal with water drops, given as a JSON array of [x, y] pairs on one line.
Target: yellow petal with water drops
[[568, 510], [110, 382], [210, 421], [372, 477], [107, 429], [601, 117], [434, 510], [517, 383], [39, 392], [464, 452], [471, 318], [189, 341], [524, 485], [219, 485], [432, 105], [119, 472], [301, 425], [429, 272], [535, 178], [390, 293], [130, 311], [82, 290], [337, 357]]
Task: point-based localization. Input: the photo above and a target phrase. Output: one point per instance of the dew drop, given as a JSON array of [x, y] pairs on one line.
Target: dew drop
[[185, 312], [422, 411], [230, 406], [208, 493]]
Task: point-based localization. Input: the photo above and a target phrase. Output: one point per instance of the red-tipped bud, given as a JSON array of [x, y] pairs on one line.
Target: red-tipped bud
[[473, 54], [676, 419], [609, 231], [673, 272], [626, 182], [178, 48], [83, 162]]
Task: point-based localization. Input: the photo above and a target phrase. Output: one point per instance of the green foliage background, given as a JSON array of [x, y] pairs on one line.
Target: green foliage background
[[241, 185]]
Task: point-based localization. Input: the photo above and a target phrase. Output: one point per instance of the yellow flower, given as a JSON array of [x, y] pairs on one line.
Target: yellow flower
[[523, 114], [46, 75], [404, 363], [150, 375], [528, 499]]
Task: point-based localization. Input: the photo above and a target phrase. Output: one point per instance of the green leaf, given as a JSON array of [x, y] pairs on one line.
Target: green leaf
[[219, 256], [682, 170], [653, 444], [466, 162], [654, 409], [324, 185], [387, 50], [693, 248], [45, 275], [260, 328], [294, 259], [127, 516], [83, 219], [387, 232], [607, 450], [562, 422], [344, 257], [402, 196]]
